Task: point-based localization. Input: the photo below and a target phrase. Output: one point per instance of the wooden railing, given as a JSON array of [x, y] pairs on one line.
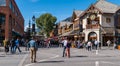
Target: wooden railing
[[92, 26]]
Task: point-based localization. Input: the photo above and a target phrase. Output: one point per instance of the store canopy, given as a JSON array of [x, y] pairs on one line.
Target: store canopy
[[16, 34], [67, 33]]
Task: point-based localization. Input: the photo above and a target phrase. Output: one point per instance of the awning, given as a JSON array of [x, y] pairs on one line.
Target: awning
[[108, 30], [75, 32], [67, 33], [16, 34]]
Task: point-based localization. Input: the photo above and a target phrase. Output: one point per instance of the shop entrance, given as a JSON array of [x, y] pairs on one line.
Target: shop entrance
[[92, 36]]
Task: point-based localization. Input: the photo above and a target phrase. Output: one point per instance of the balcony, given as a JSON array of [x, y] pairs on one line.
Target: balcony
[[92, 26]]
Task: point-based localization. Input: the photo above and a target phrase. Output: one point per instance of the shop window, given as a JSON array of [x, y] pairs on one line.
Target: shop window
[[108, 20]]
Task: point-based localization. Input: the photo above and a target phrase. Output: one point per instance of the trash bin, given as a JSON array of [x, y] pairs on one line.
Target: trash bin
[[118, 47]]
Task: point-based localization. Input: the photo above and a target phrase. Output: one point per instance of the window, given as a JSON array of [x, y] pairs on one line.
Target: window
[[11, 6], [2, 2], [88, 21], [13, 24], [2, 18], [108, 20]]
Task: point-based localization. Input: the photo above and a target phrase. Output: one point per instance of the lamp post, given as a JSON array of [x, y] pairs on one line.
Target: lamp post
[[29, 30], [33, 25]]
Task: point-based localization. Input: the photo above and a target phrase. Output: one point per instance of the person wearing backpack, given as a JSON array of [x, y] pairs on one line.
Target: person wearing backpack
[[33, 49]]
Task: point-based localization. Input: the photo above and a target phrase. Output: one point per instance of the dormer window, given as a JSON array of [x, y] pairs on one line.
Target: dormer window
[[108, 20]]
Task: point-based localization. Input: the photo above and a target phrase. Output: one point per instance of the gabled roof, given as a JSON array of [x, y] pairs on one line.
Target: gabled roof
[[106, 7], [78, 12], [89, 8], [63, 23]]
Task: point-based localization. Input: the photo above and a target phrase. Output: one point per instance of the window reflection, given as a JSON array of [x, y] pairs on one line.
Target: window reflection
[[2, 2], [2, 27]]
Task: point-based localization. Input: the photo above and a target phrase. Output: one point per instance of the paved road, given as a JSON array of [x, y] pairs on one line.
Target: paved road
[[53, 57], [12, 59]]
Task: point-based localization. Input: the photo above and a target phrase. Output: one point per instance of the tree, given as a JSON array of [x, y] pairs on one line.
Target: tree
[[45, 23]]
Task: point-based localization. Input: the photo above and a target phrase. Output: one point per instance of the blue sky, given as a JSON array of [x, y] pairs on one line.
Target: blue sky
[[59, 8]]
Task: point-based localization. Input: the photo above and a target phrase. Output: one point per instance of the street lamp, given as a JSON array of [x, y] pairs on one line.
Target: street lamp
[[33, 25], [29, 30]]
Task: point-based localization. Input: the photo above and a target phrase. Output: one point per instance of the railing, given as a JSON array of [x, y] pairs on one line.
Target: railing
[[92, 26]]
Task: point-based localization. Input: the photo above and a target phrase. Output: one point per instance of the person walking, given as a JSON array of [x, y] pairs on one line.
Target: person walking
[[96, 44], [64, 44], [17, 45], [26, 45], [33, 49], [68, 48], [12, 45], [6, 46], [89, 44], [108, 43]]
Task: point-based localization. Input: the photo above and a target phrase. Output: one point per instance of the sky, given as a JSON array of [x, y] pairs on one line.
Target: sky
[[58, 8]]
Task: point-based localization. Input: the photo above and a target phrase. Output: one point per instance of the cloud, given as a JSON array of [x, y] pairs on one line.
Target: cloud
[[27, 26], [34, 0]]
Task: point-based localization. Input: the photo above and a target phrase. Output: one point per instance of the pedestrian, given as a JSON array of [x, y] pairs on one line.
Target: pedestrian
[[12, 45], [60, 43], [89, 45], [48, 44], [68, 48], [33, 49], [17, 45], [64, 44], [6, 46], [108, 43], [27, 45], [114, 45], [96, 44]]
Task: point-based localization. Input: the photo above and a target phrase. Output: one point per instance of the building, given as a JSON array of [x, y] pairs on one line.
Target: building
[[100, 21], [11, 20], [77, 25], [65, 27]]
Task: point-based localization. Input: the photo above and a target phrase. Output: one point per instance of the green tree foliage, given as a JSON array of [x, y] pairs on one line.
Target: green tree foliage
[[45, 23]]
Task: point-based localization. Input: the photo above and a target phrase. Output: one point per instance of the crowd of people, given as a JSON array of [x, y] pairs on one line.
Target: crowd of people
[[66, 43]]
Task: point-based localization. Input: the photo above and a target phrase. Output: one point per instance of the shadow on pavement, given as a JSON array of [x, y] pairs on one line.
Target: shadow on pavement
[[2, 56], [50, 62], [79, 56]]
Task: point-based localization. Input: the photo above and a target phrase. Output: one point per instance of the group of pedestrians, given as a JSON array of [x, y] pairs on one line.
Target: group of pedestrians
[[67, 45], [92, 44], [13, 44]]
